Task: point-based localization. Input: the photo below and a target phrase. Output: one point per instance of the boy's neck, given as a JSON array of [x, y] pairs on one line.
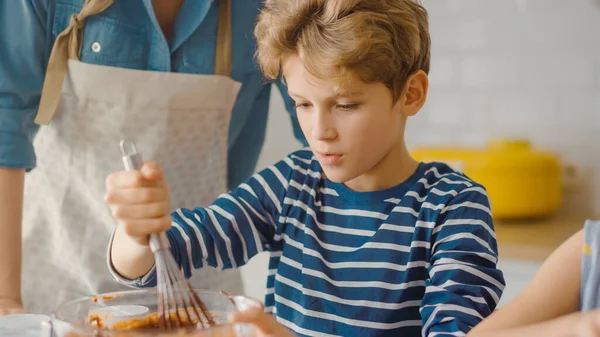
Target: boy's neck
[[395, 168]]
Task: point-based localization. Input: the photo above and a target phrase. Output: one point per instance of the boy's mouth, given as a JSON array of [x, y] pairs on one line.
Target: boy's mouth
[[328, 158]]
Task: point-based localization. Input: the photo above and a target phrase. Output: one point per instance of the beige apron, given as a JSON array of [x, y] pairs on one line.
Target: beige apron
[[180, 120]]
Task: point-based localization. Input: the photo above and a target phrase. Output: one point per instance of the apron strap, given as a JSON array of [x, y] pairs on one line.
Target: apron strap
[[68, 46], [223, 47]]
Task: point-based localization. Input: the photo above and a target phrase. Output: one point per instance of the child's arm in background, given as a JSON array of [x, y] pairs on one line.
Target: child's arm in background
[[554, 292], [226, 234], [464, 284], [580, 324], [518, 319]]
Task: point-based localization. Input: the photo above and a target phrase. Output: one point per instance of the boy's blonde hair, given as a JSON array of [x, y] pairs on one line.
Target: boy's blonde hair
[[375, 40]]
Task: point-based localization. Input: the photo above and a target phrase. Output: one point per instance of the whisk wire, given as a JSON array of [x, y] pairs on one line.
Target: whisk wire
[[177, 300]]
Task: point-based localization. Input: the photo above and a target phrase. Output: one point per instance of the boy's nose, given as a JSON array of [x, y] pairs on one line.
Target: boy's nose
[[323, 128]]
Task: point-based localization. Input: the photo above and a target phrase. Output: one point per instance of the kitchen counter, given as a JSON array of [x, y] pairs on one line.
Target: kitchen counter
[[534, 240]]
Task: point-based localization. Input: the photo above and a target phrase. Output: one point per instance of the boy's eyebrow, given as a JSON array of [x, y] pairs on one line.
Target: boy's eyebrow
[[294, 94], [340, 93], [343, 93]]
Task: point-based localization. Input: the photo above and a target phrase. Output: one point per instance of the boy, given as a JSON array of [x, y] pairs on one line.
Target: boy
[[363, 239]]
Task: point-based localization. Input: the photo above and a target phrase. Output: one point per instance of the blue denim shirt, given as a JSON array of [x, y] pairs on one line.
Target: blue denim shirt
[[130, 37]]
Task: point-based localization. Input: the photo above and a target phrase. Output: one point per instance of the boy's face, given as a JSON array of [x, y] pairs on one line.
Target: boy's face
[[351, 131]]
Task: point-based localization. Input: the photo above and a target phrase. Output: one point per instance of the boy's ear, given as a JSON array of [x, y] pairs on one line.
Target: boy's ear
[[414, 94]]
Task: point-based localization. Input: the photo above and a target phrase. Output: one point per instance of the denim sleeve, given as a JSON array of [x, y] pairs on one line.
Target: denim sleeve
[[24, 50]]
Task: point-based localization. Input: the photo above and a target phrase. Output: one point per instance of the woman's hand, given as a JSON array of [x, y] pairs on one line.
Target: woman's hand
[[10, 307]]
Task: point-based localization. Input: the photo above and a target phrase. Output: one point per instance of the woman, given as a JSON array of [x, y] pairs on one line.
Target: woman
[[111, 69]]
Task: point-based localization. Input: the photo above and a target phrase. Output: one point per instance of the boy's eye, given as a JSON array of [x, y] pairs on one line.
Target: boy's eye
[[301, 105], [347, 107]]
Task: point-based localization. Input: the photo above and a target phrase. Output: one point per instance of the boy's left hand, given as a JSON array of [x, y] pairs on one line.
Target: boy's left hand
[[266, 324]]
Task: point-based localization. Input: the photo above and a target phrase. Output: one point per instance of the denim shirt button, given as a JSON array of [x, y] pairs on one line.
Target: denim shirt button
[[96, 47]]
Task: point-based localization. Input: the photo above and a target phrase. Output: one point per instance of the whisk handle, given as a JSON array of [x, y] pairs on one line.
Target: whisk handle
[[159, 241], [132, 160]]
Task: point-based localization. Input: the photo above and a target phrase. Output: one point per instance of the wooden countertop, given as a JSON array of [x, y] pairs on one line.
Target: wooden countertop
[[534, 240]]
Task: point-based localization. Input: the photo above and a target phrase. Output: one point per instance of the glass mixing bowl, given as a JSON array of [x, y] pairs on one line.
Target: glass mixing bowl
[[72, 319]]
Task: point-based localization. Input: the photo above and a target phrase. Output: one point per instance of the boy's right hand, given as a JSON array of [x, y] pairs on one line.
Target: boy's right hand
[[140, 201]]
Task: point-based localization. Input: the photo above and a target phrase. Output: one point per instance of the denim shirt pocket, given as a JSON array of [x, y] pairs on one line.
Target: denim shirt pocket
[[199, 57], [106, 40]]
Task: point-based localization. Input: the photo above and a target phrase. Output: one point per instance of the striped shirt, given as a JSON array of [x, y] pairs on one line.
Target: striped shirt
[[415, 259]]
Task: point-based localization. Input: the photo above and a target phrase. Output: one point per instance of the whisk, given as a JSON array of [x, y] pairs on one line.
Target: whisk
[[178, 304]]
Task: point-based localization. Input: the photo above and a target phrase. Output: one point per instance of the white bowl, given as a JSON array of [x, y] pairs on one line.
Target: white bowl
[[25, 325]]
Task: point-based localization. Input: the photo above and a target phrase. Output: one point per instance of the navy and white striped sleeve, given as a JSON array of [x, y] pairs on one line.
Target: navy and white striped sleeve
[[464, 284], [237, 226]]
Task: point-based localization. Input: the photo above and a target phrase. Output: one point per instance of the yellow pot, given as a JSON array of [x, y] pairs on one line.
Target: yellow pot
[[521, 182]]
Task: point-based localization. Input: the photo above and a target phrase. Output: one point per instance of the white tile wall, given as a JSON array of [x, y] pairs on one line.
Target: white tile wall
[[523, 68], [516, 68]]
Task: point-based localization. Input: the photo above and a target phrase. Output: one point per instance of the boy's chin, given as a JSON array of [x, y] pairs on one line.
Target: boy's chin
[[339, 175]]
